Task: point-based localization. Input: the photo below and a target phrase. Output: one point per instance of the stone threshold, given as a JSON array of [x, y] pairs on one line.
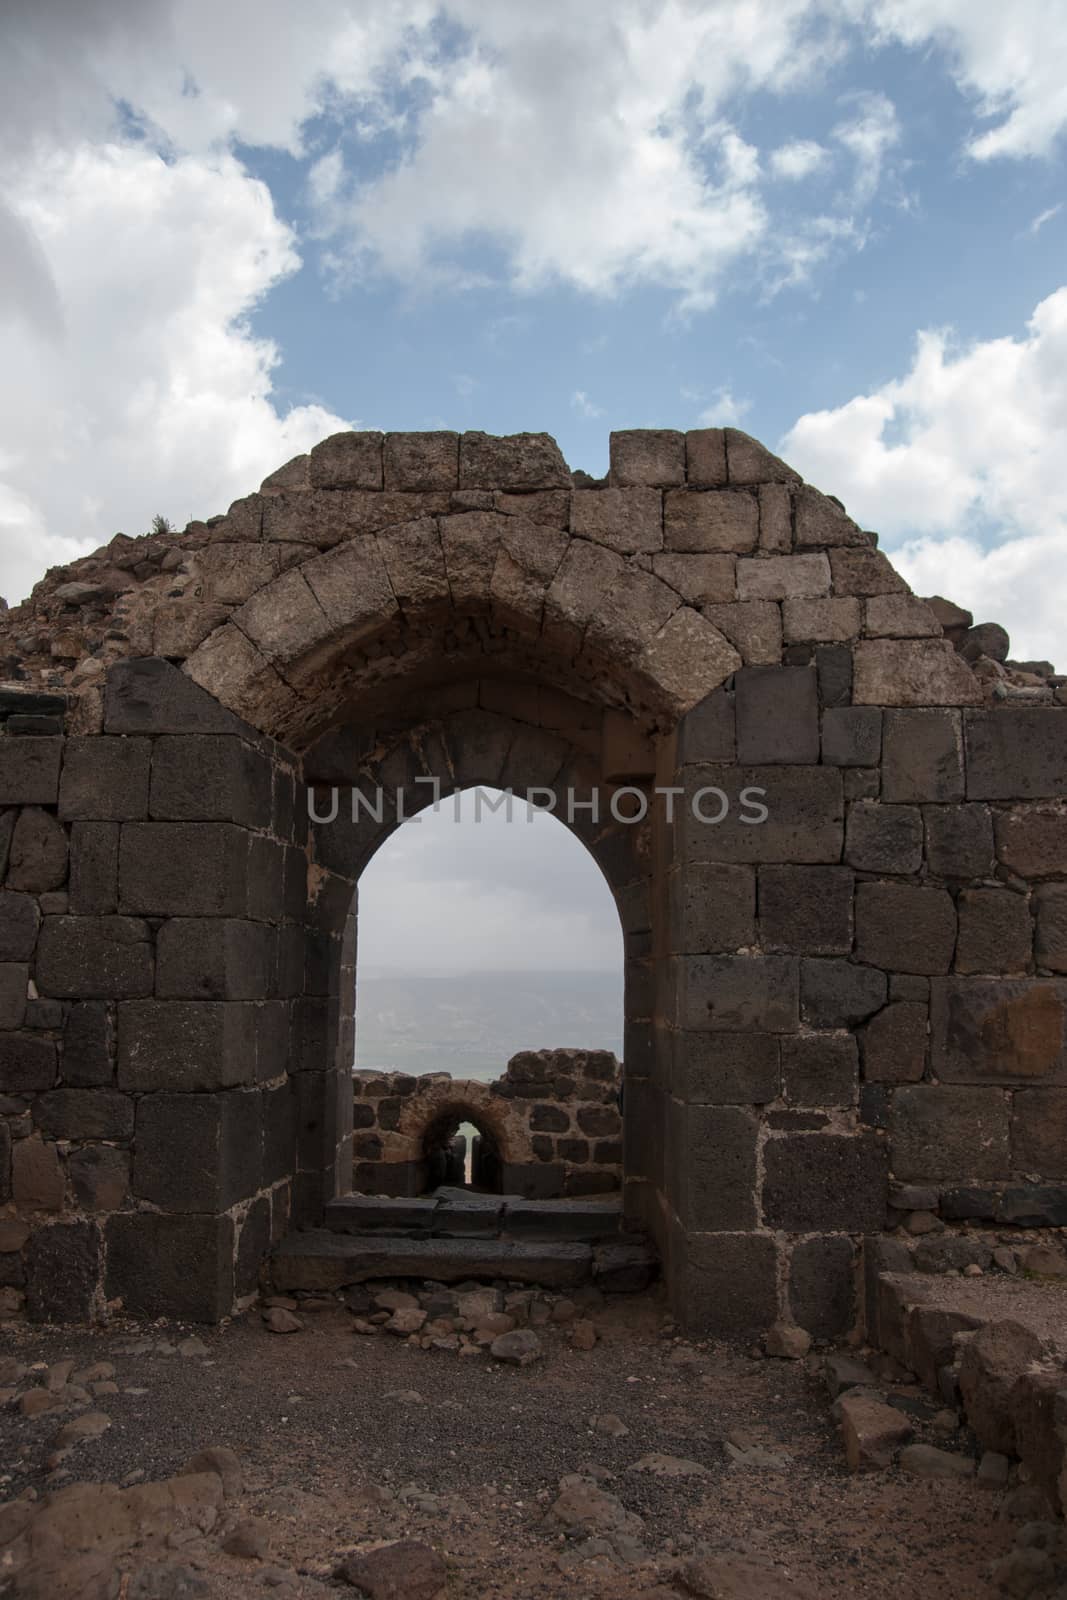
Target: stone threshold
[[460, 1212], [319, 1259]]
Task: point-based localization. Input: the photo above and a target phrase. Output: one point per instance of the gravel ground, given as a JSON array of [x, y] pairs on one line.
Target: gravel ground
[[472, 1453]]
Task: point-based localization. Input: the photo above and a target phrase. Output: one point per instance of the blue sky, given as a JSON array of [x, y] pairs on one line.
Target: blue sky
[[228, 231]]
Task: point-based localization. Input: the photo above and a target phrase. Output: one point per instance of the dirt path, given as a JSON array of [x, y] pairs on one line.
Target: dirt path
[[347, 1439]]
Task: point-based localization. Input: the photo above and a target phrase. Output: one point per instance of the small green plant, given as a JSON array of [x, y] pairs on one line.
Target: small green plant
[[162, 525]]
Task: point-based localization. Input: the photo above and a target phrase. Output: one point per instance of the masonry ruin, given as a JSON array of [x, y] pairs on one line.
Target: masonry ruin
[[852, 1010]]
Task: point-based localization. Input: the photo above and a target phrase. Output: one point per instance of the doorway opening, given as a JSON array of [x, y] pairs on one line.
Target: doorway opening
[[489, 1007]]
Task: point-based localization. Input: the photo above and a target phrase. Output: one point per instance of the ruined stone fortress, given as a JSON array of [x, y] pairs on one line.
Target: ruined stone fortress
[[848, 1013]]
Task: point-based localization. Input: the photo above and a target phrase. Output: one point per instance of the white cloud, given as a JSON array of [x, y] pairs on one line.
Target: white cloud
[[153, 395], [1011, 60], [585, 407], [725, 410], [487, 894], [798, 160], [868, 131], [965, 450], [589, 143], [1043, 217]]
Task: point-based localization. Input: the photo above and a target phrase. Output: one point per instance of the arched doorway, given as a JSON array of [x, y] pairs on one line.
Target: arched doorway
[[487, 935]]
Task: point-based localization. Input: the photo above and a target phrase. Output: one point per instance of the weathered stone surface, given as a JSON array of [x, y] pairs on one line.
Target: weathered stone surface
[[687, 659], [20, 919], [95, 958], [1006, 1030], [725, 1068], [753, 627], [823, 621], [63, 1274], [713, 908], [170, 1265], [29, 771], [404, 1570], [211, 777], [94, 868], [705, 458], [347, 461], [701, 580], [821, 1289], [821, 521], [900, 616], [1016, 755], [852, 736], [995, 931], [806, 909], [231, 672], [527, 560], [38, 856], [184, 869], [804, 822], [214, 958], [27, 1063], [631, 615], [87, 1044], [1050, 949], [820, 1070], [719, 520], [864, 572], [775, 518], [197, 1152], [883, 838], [186, 1044], [927, 1461], [905, 928], [825, 1182], [84, 1114], [322, 1260], [894, 1043], [912, 672], [1039, 1131], [726, 1283], [152, 696], [623, 520], [783, 578], [37, 1180], [949, 1132], [647, 456], [421, 460], [517, 462], [993, 1361], [777, 711], [14, 976], [839, 994], [748, 461], [351, 588], [732, 993], [712, 1165], [872, 1432], [1032, 840], [922, 756], [100, 1177], [232, 573], [959, 840]]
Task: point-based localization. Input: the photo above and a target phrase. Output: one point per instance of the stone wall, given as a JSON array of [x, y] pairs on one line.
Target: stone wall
[[867, 987], [552, 1122], [151, 979]]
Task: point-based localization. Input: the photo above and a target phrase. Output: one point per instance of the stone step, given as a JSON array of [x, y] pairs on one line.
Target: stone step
[[322, 1260], [457, 1213]]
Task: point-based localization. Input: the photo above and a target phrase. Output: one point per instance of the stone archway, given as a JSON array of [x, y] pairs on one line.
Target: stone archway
[[865, 990]]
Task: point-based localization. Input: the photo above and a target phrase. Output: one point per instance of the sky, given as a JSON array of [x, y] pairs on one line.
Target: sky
[[226, 231]]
